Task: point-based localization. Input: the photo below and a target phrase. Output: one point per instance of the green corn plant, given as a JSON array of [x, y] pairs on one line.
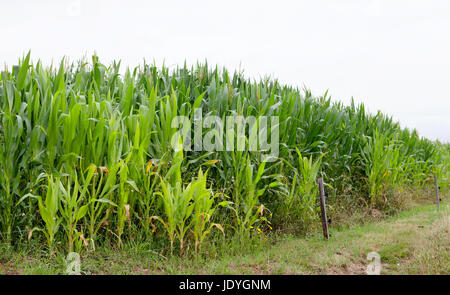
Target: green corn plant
[[300, 204], [15, 128], [71, 206], [140, 169], [385, 166], [176, 202], [123, 207], [374, 155], [48, 209], [11, 159], [247, 208], [100, 183], [149, 184], [441, 162], [188, 208], [204, 208], [177, 208], [161, 139], [309, 171]]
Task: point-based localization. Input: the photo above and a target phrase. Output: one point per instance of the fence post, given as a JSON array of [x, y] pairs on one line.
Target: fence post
[[436, 189], [323, 209]]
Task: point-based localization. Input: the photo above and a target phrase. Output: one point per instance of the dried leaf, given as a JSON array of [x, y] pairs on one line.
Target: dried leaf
[[127, 212]]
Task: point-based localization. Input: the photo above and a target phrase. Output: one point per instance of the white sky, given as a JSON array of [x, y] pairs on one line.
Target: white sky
[[393, 55]]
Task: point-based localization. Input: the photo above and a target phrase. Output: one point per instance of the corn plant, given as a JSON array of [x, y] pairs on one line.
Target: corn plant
[[100, 184], [149, 183], [71, 208], [204, 208], [247, 208], [11, 160], [178, 209], [123, 206], [301, 202], [48, 209], [176, 202]]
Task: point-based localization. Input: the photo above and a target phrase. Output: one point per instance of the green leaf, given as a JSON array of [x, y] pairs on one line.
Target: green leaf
[[22, 75], [82, 212]]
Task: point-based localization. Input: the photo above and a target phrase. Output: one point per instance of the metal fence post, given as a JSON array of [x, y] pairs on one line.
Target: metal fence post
[[323, 208]]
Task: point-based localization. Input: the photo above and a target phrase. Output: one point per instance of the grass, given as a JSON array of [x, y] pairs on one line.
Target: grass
[[414, 241]]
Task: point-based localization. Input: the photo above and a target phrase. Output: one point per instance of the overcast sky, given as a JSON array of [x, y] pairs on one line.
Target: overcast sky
[[393, 55]]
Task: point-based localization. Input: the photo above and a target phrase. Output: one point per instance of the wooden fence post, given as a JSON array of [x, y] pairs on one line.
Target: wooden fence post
[[323, 208]]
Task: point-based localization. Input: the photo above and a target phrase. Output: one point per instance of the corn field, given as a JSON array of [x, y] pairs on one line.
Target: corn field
[[86, 159]]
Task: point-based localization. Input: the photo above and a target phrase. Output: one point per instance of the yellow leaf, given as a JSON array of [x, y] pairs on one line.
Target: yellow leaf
[[211, 162], [150, 164], [219, 227]]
